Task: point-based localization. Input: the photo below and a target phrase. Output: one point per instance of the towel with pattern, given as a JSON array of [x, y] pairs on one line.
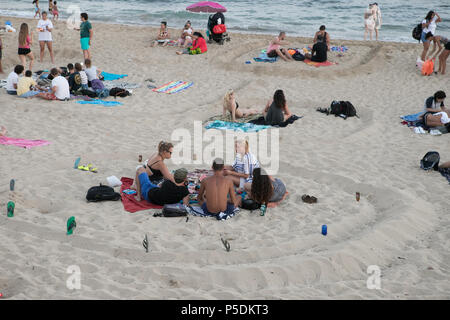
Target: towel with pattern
[[27, 144], [319, 64], [112, 76], [101, 102], [173, 87], [263, 57], [235, 126], [197, 211]]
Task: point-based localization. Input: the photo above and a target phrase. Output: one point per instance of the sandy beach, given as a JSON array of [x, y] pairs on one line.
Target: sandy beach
[[401, 224]]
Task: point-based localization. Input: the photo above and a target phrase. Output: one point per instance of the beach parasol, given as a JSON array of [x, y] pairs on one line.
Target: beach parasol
[[206, 6]]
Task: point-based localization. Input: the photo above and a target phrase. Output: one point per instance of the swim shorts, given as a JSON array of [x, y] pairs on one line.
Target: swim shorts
[[229, 210], [146, 185], [84, 43]]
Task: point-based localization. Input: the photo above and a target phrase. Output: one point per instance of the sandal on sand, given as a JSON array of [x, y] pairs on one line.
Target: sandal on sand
[[309, 199], [226, 244], [84, 168], [77, 163], [145, 243], [89, 166], [11, 184], [71, 224], [10, 207]]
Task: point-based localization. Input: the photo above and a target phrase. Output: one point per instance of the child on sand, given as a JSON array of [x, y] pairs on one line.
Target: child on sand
[[163, 36], [241, 172], [55, 11], [37, 11]]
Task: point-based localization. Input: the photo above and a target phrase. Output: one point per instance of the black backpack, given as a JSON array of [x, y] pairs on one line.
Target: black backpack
[[102, 193], [417, 32], [430, 161], [119, 92], [342, 107], [298, 56], [249, 204]]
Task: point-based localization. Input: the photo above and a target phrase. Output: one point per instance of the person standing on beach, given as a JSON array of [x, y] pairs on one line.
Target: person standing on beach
[[443, 58], [55, 11], [86, 33], [45, 27], [25, 41], [275, 49], [377, 17], [428, 25], [37, 11], [50, 5], [1, 47], [369, 22]]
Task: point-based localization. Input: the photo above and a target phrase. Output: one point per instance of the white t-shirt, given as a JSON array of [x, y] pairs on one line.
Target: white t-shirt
[[13, 78], [245, 164], [431, 27], [84, 79], [45, 35], [62, 91], [91, 73]]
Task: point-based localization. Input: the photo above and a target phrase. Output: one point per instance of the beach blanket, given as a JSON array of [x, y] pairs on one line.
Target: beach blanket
[[319, 64], [173, 87], [264, 58], [446, 173], [27, 144], [130, 204], [412, 120], [235, 126], [197, 211], [112, 76], [101, 102], [262, 121]]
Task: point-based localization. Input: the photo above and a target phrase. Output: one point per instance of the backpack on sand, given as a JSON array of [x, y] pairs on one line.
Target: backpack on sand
[[430, 161], [102, 193], [119, 92], [342, 107], [428, 67], [173, 210], [249, 204], [417, 32]]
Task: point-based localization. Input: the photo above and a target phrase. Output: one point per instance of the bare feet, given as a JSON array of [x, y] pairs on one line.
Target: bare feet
[[179, 52]]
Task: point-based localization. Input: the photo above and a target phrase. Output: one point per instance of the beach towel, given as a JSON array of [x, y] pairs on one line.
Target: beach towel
[[264, 58], [101, 102], [262, 121], [319, 64], [27, 144], [446, 173], [198, 212], [228, 118], [339, 49], [130, 204], [412, 120], [173, 87], [112, 76], [235, 126]]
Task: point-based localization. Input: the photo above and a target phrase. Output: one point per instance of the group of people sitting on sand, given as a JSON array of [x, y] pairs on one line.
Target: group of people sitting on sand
[[192, 42], [156, 184], [318, 53], [435, 113], [275, 112], [77, 80]]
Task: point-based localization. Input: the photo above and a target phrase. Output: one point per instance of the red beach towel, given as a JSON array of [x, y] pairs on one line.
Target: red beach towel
[[319, 64], [129, 202]]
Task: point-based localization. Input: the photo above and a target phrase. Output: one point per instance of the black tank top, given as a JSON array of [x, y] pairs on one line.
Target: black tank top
[[322, 37]]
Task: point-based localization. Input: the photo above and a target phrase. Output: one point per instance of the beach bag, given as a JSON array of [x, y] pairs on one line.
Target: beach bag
[[119, 92], [298, 56], [428, 67], [219, 29], [102, 193], [249, 204], [430, 161], [342, 107], [417, 32], [174, 210]]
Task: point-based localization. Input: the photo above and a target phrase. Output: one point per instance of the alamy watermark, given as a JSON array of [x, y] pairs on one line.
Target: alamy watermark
[[203, 147], [74, 280], [73, 21], [374, 280]]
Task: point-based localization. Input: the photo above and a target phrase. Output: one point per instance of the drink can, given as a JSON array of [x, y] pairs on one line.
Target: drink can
[[324, 229]]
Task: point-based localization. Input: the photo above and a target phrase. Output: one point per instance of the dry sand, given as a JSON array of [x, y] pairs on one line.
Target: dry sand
[[401, 223]]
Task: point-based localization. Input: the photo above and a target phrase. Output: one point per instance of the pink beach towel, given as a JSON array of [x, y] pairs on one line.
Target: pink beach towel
[[27, 144], [319, 64], [130, 204]]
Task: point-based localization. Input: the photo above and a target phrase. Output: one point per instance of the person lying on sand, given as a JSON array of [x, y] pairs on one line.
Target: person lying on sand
[[275, 48], [163, 36], [242, 169], [276, 110], [214, 191], [230, 104], [436, 119], [170, 191]]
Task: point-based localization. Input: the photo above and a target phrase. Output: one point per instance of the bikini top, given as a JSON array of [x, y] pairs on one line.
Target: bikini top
[[163, 33], [157, 174]]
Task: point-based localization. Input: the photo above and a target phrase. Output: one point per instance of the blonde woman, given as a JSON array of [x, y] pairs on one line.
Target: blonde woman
[[25, 41], [241, 172], [230, 105]]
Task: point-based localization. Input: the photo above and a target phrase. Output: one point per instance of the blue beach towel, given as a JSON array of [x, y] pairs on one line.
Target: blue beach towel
[[112, 76], [236, 126], [102, 102], [264, 58], [413, 120]]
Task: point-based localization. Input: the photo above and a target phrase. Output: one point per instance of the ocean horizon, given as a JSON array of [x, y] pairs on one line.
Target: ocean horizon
[[344, 20]]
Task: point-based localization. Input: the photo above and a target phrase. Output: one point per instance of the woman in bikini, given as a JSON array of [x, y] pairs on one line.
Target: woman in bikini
[[230, 104]]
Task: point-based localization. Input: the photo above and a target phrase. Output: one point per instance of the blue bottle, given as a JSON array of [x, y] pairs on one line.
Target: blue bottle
[[324, 229]]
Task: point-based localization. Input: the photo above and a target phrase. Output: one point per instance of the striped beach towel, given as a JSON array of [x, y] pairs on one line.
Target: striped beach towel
[[173, 87]]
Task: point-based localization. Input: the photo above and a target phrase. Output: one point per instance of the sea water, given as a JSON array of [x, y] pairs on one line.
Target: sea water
[[343, 19]]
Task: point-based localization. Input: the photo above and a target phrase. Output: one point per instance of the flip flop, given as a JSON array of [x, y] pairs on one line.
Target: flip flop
[[145, 243], [77, 162], [10, 207], [89, 166], [11, 184], [71, 225], [84, 168], [226, 244], [309, 199]]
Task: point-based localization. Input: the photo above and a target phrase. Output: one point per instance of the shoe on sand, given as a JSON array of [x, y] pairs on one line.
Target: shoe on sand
[[309, 199]]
